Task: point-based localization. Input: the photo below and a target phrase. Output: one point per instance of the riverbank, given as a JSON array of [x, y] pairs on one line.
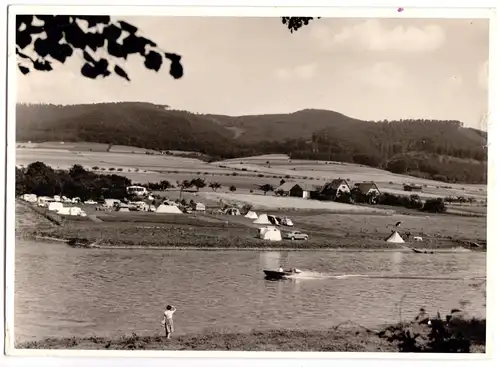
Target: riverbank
[[205, 231], [347, 337]]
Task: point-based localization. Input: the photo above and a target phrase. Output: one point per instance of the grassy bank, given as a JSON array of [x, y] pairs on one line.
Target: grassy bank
[[326, 231], [455, 335]]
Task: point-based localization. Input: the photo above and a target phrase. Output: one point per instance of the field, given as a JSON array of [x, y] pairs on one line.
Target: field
[[245, 174]]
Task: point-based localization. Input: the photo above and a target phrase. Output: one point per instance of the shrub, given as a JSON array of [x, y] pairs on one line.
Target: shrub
[[232, 188], [434, 206]]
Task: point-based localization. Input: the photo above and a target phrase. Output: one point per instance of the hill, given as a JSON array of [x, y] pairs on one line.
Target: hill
[[443, 150]]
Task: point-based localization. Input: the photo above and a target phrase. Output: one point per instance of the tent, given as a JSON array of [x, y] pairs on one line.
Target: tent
[[395, 238], [262, 219], [64, 211], [251, 215], [75, 210], [199, 207], [172, 209], [270, 234], [55, 206]]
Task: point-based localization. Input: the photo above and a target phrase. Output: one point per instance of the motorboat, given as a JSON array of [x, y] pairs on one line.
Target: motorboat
[[276, 274]]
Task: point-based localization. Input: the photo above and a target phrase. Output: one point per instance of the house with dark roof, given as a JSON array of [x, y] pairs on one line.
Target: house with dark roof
[[366, 192], [285, 188], [333, 189], [305, 190]]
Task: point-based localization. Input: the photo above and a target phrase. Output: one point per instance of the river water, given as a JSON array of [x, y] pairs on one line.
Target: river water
[[63, 292]]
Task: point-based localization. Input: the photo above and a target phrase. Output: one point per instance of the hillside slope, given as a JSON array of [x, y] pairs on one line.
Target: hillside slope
[[418, 147]]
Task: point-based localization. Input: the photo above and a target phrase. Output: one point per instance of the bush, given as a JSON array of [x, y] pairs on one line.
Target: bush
[[232, 188], [434, 206], [436, 335]]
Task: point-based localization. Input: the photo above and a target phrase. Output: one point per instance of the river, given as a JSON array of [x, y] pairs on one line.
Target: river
[[63, 292]]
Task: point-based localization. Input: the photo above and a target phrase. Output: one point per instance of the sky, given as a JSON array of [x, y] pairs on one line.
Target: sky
[[371, 68]]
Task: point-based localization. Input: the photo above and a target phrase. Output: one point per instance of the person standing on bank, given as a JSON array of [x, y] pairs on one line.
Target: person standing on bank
[[168, 321]]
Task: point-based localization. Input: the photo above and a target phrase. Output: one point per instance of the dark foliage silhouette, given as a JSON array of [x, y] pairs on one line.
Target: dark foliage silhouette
[[295, 23], [43, 39], [42, 180], [425, 334], [59, 37]]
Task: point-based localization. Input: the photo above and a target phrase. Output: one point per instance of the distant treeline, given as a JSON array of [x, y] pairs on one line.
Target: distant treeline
[[440, 150], [42, 180]]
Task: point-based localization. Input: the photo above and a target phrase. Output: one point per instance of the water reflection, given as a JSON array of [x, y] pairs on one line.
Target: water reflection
[[397, 259]]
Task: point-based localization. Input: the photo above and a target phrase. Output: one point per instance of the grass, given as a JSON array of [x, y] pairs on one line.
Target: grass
[[348, 337], [208, 231]]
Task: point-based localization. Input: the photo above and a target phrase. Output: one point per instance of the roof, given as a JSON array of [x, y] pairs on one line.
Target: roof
[[335, 184], [308, 186], [364, 187], [286, 186]]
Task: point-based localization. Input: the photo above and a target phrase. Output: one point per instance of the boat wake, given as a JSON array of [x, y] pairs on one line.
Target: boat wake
[[311, 275]]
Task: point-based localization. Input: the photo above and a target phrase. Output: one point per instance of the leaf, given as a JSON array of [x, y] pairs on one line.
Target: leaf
[[153, 60], [127, 27], [75, 36], [112, 32], [89, 71], [121, 72], [116, 50], [23, 39], [43, 65], [95, 40], [88, 57], [42, 47], [61, 53], [176, 69], [23, 69]]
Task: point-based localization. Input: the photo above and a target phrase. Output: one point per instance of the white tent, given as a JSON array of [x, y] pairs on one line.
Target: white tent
[[31, 198], [75, 210], [55, 206], [262, 219], [172, 209], [64, 211], [395, 238], [199, 207], [270, 234], [251, 215]]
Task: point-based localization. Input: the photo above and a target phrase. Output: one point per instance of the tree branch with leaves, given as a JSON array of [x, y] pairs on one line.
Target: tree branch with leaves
[[58, 37], [55, 38]]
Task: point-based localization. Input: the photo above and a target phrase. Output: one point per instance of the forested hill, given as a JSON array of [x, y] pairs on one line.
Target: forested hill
[[441, 149]]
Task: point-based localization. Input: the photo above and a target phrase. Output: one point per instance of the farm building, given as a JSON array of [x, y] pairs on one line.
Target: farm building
[[366, 190], [412, 187], [304, 190], [333, 189], [285, 188]]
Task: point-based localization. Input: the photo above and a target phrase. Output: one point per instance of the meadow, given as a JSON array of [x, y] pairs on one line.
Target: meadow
[[244, 173]]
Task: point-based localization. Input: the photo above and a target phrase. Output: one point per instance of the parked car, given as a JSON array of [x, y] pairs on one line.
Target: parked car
[[296, 235], [90, 202]]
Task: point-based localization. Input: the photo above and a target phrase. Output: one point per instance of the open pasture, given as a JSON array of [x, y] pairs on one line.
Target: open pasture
[[321, 170], [274, 202], [141, 168]]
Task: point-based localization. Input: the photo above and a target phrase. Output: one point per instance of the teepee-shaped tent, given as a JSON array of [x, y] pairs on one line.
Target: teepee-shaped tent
[[171, 209], [395, 238], [262, 219], [251, 215]]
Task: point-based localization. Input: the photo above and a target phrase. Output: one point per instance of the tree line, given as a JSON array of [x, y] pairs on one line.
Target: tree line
[[42, 180]]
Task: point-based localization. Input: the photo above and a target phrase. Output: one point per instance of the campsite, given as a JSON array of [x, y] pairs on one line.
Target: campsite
[[224, 216]]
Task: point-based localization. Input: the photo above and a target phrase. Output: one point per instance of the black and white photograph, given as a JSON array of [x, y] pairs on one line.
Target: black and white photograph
[[248, 183]]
